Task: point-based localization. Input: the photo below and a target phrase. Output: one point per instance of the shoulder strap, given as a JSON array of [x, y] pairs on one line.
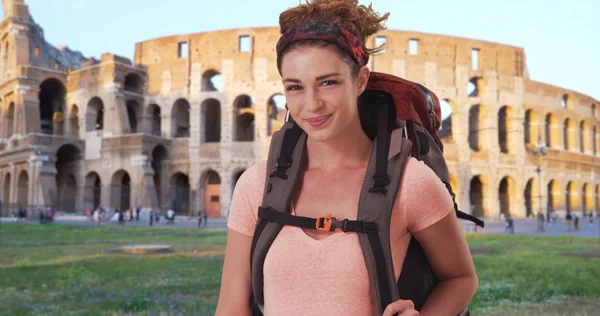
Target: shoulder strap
[[284, 165]]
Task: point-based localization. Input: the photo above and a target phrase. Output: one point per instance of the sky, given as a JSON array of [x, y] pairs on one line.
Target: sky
[[561, 38]]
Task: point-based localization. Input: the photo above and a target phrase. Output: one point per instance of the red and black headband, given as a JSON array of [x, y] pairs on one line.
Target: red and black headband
[[323, 31]]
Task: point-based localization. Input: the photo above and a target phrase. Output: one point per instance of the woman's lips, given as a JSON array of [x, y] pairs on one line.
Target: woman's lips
[[318, 121]]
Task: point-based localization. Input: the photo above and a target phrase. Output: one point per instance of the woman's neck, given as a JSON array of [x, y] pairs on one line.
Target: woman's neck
[[350, 149]]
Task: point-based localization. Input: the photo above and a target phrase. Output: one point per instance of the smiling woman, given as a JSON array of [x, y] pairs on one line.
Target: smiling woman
[[314, 260]]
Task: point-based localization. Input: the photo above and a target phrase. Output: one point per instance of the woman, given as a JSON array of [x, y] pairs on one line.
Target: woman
[[309, 272]]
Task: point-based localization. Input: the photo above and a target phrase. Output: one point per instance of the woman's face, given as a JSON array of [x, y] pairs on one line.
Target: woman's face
[[320, 91]]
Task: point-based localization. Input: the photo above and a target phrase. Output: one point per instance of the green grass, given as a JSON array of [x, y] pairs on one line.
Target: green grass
[[68, 270]]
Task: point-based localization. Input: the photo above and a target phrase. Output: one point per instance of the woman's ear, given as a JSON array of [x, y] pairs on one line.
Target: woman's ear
[[362, 80]]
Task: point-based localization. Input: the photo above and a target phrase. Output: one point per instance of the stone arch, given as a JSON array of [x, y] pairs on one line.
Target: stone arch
[[121, 190], [585, 138], [180, 119], [210, 188], [532, 197], [568, 140], [275, 112], [23, 189], [551, 130], [212, 81], [52, 97], [7, 203], [235, 177], [210, 129], [68, 158], [554, 196], [594, 140], [478, 188], [448, 107], [134, 115], [133, 83], [74, 120], [531, 127], [567, 101], [180, 193], [572, 197], [506, 127], [587, 198], [244, 118], [159, 160], [95, 115], [477, 130], [9, 120], [477, 87], [92, 191], [153, 112], [507, 195]]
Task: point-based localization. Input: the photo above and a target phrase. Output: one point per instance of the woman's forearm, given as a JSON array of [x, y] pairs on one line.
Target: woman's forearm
[[451, 296]]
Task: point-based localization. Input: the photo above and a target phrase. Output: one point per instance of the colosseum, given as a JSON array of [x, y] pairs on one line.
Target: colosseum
[[176, 126]]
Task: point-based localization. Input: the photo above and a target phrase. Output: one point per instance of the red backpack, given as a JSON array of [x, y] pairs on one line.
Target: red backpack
[[402, 118]]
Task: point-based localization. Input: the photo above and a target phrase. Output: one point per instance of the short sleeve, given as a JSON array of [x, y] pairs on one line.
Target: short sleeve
[[247, 197], [424, 197]]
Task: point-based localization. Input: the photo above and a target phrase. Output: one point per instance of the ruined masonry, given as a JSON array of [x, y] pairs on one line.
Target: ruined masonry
[[176, 127]]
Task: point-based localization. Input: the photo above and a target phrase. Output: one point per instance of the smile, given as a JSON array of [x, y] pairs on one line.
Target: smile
[[319, 121]]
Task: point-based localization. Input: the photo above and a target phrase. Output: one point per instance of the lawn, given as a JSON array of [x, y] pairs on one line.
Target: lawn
[[69, 270]]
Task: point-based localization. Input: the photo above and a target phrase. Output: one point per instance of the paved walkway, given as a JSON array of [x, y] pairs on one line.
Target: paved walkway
[[493, 226]]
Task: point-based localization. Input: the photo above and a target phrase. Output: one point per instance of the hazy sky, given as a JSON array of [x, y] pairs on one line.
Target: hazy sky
[[561, 37]]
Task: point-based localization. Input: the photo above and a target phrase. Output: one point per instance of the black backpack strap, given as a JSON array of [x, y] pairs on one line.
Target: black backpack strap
[[460, 214]]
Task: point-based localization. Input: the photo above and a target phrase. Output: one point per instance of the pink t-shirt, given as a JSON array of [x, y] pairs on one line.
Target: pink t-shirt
[[305, 276]]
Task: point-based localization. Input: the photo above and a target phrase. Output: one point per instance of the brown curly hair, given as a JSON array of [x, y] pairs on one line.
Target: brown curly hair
[[359, 20]]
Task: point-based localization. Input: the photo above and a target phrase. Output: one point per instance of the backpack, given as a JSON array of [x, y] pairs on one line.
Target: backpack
[[402, 118]]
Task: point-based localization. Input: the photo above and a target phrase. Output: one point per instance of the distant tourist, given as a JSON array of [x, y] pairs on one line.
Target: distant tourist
[[569, 219], [510, 225], [540, 221], [576, 221]]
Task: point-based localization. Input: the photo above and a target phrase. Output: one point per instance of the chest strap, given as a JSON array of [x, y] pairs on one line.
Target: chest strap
[[323, 223]]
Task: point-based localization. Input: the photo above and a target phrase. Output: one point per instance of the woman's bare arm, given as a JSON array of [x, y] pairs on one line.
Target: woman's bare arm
[[236, 287], [450, 257]]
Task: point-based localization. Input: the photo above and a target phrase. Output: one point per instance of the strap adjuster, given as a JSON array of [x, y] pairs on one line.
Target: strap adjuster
[[330, 224], [283, 162]]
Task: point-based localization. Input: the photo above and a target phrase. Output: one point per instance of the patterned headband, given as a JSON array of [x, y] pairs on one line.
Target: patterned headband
[[324, 31]]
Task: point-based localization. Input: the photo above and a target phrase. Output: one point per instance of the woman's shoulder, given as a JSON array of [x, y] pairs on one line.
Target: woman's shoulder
[[247, 197]]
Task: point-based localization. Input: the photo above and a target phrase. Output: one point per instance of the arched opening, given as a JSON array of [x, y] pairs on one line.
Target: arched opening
[[476, 87], [93, 191], [567, 128], [133, 83], [212, 193], [235, 178], [121, 190], [447, 107], [597, 199], [212, 81], [9, 120], [530, 127], [68, 158], [455, 188], [572, 197], [584, 137], [159, 161], [74, 120], [532, 197], [594, 114], [476, 197], [52, 106], [587, 198], [210, 129], [243, 102], [245, 127], [180, 119], [553, 196], [180, 194], [275, 113], [566, 101], [23, 190], [551, 130], [134, 114], [155, 120], [505, 129], [477, 130], [6, 194], [594, 141], [507, 196], [95, 115], [5, 60]]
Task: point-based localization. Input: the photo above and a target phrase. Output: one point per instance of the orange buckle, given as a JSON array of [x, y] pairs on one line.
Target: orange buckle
[[330, 224]]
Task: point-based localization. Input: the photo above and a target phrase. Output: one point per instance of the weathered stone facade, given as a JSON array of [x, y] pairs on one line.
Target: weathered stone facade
[[78, 133]]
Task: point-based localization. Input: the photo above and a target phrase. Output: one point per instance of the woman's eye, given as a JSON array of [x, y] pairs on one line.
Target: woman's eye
[[292, 88], [329, 82]]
